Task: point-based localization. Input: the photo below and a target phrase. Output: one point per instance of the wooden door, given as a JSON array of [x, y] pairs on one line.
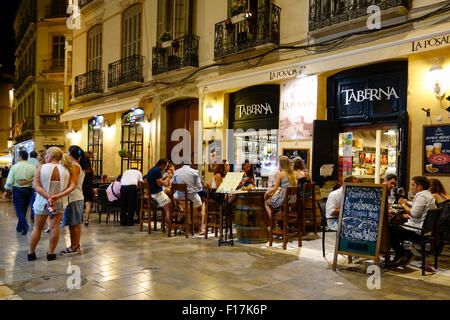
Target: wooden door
[[181, 115]]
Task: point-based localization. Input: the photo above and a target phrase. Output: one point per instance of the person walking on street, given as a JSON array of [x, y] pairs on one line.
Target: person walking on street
[[73, 215], [128, 193], [19, 182], [53, 182], [87, 190]]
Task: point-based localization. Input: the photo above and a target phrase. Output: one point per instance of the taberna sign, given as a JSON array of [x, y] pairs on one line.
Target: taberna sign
[[260, 102], [369, 94], [254, 109]]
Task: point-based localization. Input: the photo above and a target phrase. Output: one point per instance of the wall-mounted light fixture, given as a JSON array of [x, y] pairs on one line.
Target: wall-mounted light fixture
[[437, 78], [214, 115], [72, 134], [106, 125], [147, 119]]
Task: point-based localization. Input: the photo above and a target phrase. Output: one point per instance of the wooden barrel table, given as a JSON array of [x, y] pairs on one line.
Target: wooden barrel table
[[251, 218]]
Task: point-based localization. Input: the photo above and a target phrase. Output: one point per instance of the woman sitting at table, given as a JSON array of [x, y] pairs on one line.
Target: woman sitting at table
[[438, 192], [219, 173], [274, 198], [301, 173], [170, 170], [249, 175]]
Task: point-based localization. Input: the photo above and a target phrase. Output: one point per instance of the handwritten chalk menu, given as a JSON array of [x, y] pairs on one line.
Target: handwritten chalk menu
[[230, 182], [360, 220], [436, 150], [294, 153]]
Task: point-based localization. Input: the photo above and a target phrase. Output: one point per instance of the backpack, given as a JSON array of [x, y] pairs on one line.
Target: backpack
[[443, 225]]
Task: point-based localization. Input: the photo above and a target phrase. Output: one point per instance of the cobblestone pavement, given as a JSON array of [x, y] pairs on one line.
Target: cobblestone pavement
[[123, 263]]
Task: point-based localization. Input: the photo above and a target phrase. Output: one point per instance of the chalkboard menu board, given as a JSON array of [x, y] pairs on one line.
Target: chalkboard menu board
[[436, 150], [294, 153], [361, 220]]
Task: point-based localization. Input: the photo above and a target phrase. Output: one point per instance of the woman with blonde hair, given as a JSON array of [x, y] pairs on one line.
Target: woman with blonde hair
[[274, 198], [53, 182]]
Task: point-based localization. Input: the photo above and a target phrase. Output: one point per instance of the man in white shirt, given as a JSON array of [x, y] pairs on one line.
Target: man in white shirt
[[333, 205], [423, 201], [128, 194], [187, 175]]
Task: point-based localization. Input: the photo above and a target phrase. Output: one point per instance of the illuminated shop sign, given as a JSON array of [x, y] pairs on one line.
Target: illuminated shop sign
[[134, 116], [96, 123], [369, 94]]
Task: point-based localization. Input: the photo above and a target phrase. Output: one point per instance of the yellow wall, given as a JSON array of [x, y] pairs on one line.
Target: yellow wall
[[420, 95]]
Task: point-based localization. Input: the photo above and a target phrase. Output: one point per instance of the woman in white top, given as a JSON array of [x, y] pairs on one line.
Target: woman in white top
[[53, 182], [73, 215]]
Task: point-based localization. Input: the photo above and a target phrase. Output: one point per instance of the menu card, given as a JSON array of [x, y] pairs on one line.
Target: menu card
[[436, 153], [230, 182]]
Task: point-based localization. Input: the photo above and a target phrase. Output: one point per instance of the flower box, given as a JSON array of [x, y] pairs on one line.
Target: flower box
[[238, 18], [166, 44]]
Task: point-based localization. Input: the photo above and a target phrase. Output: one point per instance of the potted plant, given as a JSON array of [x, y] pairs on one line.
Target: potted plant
[[124, 153], [165, 38], [175, 45], [237, 7], [250, 17], [161, 50], [229, 26]]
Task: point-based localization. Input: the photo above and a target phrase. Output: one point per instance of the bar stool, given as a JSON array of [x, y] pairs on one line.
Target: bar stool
[[145, 197], [185, 212], [309, 207], [213, 210], [289, 215]]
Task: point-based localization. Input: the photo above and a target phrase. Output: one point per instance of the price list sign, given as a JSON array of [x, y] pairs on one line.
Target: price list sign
[[360, 221], [436, 153]]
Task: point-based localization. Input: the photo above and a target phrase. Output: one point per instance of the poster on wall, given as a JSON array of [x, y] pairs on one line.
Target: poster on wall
[[436, 150], [298, 108], [294, 153], [215, 151]]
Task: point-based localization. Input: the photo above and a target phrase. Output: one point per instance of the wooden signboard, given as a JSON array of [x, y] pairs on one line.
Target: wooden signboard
[[436, 150], [294, 153], [361, 221]]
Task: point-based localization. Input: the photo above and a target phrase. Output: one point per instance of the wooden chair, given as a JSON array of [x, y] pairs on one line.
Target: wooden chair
[[289, 214], [104, 206], [428, 234], [144, 199], [185, 212], [308, 206], [214, 211]]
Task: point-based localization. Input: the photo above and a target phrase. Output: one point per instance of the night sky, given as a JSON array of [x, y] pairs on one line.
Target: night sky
[[7, 14]]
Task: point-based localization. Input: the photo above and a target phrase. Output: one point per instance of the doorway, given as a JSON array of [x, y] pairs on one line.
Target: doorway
[[181, 114]]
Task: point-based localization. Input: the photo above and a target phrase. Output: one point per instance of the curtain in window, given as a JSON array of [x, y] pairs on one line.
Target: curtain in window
[[174, 17]]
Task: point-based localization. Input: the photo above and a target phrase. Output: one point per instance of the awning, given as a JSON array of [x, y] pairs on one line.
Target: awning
[[112, 106]]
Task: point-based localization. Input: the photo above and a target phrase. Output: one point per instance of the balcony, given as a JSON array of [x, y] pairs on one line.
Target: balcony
[[57, 10], [330, 17], [28, 124], [23, 28], [50, 121], [128, 70], [89, 83], [182, 53], [256, 29], [84, 3], [23, 76], [53, 66]]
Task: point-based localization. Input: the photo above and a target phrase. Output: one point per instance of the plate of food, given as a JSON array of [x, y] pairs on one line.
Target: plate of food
[[439, 159], [431, 169]]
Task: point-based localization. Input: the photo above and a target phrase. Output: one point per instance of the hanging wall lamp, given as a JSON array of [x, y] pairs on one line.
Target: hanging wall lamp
[[437, 78]]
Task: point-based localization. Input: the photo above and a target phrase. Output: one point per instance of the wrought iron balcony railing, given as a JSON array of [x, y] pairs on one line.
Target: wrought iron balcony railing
[[50, 121], [57, 9], [183, 52], [255, 29], [323, 13], [84, 3], [126, 70], [53, 66], [89, 83]]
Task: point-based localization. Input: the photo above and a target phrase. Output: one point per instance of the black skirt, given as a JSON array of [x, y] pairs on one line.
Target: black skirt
[[87, 188]]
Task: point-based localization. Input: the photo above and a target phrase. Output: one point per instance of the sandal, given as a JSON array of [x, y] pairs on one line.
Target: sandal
[[201, 233], [70, 250], [86, 223]]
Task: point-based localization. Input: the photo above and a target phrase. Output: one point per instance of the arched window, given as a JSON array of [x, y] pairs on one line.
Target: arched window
[[94, 58], [132, 31]]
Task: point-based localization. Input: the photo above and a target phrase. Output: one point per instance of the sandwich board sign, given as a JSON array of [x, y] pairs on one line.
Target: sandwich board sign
[[361, 221]]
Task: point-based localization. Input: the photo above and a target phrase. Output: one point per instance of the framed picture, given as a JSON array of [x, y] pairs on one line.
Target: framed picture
[[294, 153], [436, 150]]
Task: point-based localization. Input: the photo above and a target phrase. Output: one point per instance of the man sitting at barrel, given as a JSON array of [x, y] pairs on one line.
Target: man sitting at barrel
[[333, 205]]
